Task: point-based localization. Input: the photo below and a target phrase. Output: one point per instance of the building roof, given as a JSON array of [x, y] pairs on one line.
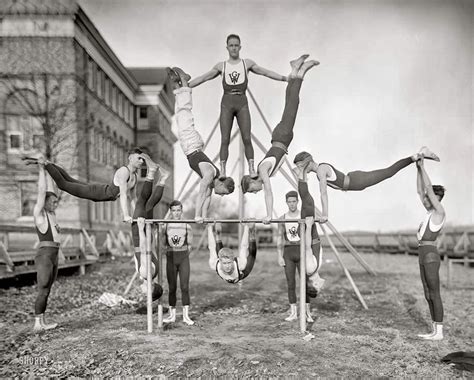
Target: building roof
[[149, 75]]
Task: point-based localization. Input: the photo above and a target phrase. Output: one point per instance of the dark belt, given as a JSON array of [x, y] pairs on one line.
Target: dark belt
[[280, 145], [193, 152], [48, 244], [426, 242], [234, 93]]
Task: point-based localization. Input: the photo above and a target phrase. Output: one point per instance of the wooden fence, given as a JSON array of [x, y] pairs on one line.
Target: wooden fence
[[79, 248]]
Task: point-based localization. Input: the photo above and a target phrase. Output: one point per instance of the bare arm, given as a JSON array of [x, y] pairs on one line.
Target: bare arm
[[133, 197], [207, 202], [211, 242], [121, 178], [256, 69], [244, 248], [263, 171], [190, 236], [323, 190], [204, 187], [211, 74], [40, 200], [280, 244], [420, 185], [439, 210]]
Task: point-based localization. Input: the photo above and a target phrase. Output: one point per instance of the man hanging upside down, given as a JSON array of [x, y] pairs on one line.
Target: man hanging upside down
[[192, 145], [148, 198], [228, 267], [281, 137], [358, 180], [122, 186]]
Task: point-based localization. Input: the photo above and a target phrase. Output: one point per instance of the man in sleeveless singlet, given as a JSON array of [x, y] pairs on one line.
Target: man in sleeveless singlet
[[234, 104], [148, 198], [123, 185], [178, 238], [288, 248], [358, 180], [282, 136], [46, 259], [221, 259], [192, 145], [428, 255]]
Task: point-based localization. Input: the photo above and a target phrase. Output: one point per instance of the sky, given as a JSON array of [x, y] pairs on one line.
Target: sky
[[394, 75]]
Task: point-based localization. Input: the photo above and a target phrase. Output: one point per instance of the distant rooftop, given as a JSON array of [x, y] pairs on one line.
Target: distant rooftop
[[149, 75]]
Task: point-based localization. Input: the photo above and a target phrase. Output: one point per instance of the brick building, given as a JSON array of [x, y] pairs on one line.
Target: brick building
[[63, 91]]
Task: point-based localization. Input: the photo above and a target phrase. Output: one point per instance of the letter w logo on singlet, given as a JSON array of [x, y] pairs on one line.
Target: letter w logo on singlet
[[175, 239], [293, 232], [234, 76]]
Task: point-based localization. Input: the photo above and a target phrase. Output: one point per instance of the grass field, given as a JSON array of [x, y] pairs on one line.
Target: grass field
[[240, 331]]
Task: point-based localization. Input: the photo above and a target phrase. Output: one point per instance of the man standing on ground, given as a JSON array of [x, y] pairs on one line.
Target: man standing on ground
[[46, 259]]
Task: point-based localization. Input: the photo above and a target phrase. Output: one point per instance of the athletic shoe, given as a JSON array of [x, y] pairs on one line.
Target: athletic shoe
[[183, 77], [173, 76]]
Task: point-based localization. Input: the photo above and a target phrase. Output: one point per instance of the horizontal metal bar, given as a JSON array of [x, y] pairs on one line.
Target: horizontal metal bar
[[222, 221]]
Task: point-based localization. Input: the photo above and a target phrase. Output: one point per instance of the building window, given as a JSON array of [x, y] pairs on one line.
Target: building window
[[143, 112], [104, 149], [98, 211], [104, 210], [38, 142], [111, 94], [99, 147], [113, 101], [92, 208], [107, 91], [90, 73], [14, 139], [100, 82], [119, 105], [29, 194], [130, 117]]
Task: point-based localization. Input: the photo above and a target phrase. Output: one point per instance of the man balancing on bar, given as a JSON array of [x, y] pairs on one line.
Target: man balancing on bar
[[358, 180], [282, 136], [123, 185], [192, 145], [148, 198], [228, 267], [234, 103]]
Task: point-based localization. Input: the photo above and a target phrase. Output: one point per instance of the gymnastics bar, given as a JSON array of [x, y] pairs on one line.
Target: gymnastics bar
[[148, 232], [189, 221]]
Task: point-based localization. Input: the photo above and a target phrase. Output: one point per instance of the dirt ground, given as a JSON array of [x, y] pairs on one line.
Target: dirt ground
[[240, 330]]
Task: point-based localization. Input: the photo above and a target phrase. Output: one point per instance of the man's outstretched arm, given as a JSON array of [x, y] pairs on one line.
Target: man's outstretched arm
[[256, 69], [40, 200], [211, 242], [121, 177], [440, 213], [267, 190], [244, 248], [204, 187], [211, 74], [323, 190]]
